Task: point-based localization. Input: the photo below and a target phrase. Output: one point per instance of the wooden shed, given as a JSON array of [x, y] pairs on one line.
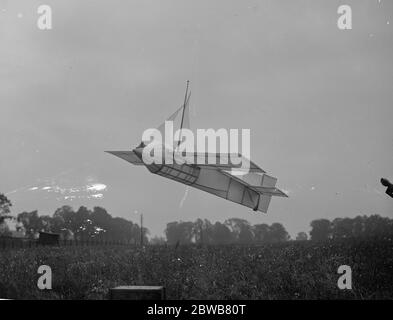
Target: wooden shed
[[49, 239]]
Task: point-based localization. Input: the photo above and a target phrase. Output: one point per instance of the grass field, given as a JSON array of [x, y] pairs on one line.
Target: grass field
[[292, 270]]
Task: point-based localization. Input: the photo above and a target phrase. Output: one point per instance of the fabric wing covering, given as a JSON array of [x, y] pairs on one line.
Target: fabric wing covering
[[253, 190], [129, 156], [224, 161]]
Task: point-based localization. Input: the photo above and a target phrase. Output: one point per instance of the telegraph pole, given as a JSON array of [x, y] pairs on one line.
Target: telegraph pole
[[141, 229]]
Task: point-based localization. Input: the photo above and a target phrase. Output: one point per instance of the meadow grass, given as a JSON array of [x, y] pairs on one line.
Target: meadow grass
[[291, 270]]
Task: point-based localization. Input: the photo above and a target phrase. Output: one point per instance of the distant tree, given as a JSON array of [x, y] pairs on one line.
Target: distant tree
[[186, 231], [342, 228], [58, 224], [241, 230], [373, 226], [46, 223], [197, 230], [31, 223], [358, 226], [82, 225], [301, 236], [64, 219], [245, 236], [207, 232], [5, 205], [179, 232], [202, 231], [221, 234], [261, 233], [4, 230], [320, 230], [172, 232], [278, 233], [378, 227], [126, 231], [102, 221], [233, 230]]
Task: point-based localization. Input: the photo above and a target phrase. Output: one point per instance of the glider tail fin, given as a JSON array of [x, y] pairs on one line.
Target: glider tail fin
[[267, 189], [263, 203]]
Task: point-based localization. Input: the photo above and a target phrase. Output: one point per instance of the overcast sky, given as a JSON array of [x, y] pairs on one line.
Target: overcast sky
[[318, 101]]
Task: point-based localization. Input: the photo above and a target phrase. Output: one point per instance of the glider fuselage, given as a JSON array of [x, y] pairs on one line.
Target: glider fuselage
[[210, 180]]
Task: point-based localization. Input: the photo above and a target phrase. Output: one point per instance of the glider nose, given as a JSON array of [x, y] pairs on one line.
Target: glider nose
[[138, 151]]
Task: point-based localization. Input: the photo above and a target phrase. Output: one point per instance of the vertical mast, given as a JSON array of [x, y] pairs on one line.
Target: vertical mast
[[184, 109]]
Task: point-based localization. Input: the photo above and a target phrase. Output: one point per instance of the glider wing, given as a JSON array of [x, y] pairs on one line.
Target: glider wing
[[129, 156], [222, 161]]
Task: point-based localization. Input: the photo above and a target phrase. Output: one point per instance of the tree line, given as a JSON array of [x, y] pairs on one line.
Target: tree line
[[240, 231], [233, 230], [98, 224], [82, 224], [373, 226]]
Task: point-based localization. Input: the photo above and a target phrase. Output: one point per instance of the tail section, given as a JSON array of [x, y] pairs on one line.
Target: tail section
[[265, 185], [272, 191]]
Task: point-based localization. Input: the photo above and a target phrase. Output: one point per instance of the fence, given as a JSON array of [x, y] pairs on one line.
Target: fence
[[24, 243]]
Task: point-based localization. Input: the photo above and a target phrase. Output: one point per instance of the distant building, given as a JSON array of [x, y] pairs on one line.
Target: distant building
[[46, 238]]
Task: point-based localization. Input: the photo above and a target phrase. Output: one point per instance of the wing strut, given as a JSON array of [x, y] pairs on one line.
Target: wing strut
[[184, 109], [186, 99]]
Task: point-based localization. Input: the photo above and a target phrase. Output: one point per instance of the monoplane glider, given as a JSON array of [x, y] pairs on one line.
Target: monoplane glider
[[253, 188]]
